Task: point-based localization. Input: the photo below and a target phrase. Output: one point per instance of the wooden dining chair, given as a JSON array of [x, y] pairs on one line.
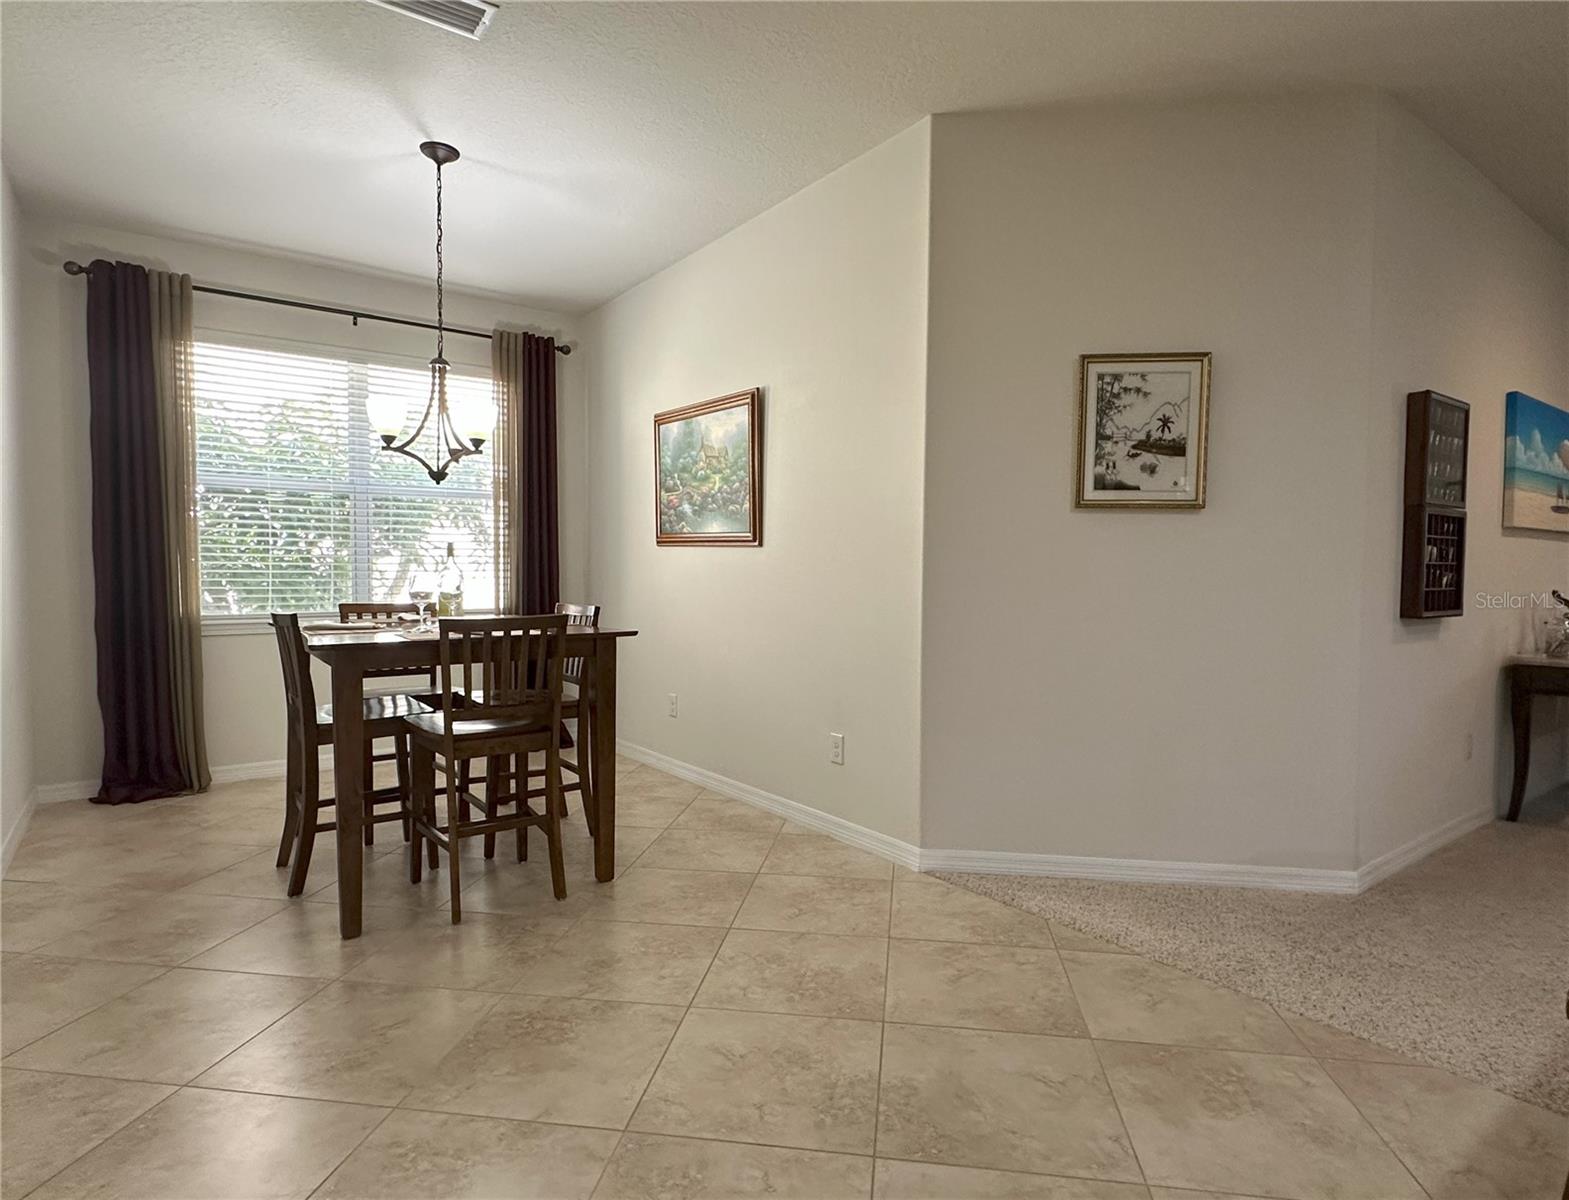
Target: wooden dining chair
[[310, 727], [576, 705], [377, 612], [500, 778], [501, 699]]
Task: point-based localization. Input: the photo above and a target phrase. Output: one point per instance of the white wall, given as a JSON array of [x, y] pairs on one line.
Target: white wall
[[1157, 685], [1471, 299], [821, 303], [243, 710], [16, 750]]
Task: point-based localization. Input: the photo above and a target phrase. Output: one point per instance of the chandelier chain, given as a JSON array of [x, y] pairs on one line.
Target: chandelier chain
[[440, 314]]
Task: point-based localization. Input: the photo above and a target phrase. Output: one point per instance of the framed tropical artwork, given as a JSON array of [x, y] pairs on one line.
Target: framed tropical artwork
[[708, 462], [1536, 464], [1143, 424]]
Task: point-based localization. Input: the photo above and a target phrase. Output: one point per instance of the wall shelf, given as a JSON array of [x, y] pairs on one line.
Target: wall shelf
[[1432, 569]]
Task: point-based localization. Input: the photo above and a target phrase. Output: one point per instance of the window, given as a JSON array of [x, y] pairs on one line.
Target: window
[[298, 508]]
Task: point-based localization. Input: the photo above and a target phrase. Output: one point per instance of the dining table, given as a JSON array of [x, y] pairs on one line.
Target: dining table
[[1529, 675], [349, 653]]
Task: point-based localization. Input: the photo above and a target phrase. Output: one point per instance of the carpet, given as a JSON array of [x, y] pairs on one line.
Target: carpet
[[1461, 960]]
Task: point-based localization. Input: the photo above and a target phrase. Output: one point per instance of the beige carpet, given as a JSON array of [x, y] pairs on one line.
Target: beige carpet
[[1461, 960]]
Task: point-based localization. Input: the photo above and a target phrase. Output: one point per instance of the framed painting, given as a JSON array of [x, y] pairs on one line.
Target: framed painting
[[708, 473], [1143, 425], [1536, 464]]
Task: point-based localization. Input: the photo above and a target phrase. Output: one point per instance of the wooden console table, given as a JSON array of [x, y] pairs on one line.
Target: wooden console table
[[1530, 675]]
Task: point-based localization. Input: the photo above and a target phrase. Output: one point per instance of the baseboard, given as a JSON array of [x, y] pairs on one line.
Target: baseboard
[[273, 768], [1140, 870], [54, 793], [1002, 862], [18, 831], [1417, 848], [881, 844]]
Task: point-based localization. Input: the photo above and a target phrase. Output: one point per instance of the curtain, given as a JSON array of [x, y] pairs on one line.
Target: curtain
[[149, 668], [523, 370], [174, 370]]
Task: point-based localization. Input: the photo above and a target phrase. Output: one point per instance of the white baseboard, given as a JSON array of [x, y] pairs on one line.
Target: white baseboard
[[881, 844], [54, 793], [1121, 870], [83, 789], [272, 768], [1140, 870], [13, 839], [1417, 848]]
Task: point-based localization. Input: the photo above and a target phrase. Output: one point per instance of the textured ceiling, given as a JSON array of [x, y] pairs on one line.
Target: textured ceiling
[[603, 141]]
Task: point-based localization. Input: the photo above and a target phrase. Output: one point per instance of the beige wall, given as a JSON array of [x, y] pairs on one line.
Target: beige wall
[[16, 750], [244, 722], [1169, 686], [1231, 686], [821, 302], [1472, 299]]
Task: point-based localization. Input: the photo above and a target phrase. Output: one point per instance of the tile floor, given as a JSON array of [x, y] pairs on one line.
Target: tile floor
[[748, 1010]]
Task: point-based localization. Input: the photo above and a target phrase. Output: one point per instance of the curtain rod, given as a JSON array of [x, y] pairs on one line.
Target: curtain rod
[[75, 268]]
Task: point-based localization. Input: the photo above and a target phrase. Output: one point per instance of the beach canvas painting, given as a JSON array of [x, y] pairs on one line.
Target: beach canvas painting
[[707, 467], [1536, 464], [1142, 426]]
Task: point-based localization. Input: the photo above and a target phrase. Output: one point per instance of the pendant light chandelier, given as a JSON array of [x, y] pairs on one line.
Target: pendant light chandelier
[[452, 439]]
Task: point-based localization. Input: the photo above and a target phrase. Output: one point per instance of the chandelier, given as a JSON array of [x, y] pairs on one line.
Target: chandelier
[[453, 436]]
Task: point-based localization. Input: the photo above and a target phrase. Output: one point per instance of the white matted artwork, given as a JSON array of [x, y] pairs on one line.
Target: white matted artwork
[[1143, 421]]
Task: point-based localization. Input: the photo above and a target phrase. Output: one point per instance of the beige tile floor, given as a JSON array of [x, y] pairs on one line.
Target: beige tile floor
[[748, 1010]]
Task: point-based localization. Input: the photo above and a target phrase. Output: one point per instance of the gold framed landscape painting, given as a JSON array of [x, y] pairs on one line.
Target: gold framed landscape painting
[[708, 488], [1142, 430]]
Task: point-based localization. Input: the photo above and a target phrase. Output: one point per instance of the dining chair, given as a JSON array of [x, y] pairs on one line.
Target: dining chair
[[576, 705], [501, 699], [501, 780], [309, 726], [378, 612]]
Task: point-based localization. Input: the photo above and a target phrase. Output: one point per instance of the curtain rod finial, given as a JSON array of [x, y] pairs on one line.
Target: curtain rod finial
[[72, 267]]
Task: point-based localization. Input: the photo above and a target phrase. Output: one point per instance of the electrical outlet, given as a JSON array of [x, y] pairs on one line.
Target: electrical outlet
[[836, 749], [1470, 746], [672, 699]]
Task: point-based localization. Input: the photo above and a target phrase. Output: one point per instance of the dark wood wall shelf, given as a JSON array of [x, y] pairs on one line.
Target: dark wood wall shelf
[[1432, 568]]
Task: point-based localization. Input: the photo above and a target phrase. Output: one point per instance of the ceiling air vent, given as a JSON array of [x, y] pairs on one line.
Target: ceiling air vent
[[469, 17]]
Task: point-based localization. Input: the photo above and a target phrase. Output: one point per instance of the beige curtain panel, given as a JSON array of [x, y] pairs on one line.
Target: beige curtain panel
[[506, 384], [174, 373]]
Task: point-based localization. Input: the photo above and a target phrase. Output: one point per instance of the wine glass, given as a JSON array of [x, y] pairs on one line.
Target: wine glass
[[423, 588]]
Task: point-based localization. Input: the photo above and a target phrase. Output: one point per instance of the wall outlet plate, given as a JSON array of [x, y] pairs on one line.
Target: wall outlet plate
[[836, 749], [671, 697]]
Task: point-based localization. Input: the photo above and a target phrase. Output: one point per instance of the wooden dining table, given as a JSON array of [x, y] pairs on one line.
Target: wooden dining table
[[349, 654]]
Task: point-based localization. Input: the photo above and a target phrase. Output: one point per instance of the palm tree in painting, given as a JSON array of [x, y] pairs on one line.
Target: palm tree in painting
[[1164, 424]]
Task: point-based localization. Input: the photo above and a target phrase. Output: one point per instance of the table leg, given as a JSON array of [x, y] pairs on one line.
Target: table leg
[[602, 732], [1520, 715], [348, 721]]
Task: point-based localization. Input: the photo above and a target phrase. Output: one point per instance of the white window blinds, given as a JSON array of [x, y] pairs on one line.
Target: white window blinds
[[299, 509]]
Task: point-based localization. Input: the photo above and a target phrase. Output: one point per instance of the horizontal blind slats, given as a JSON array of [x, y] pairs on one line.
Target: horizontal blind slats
[[299, 509]]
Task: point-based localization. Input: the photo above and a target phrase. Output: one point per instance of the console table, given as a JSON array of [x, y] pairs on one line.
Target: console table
[[1530, 675]]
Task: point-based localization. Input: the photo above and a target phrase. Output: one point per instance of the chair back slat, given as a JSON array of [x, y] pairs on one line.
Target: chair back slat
[[577, 614], [380, 610], [505, 668], [299, 691], [373, 610]]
